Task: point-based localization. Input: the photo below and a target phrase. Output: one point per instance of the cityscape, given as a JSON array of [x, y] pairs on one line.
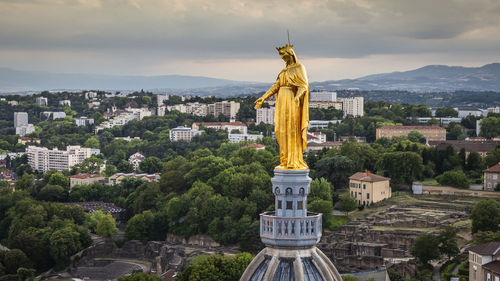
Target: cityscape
[[131, 154]]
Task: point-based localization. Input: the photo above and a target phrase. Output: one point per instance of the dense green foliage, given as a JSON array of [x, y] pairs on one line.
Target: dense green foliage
[[486, 216], [454, 178], [217, 268]]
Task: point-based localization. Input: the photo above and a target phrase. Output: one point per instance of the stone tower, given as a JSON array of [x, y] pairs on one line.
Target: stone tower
[[290, 234]]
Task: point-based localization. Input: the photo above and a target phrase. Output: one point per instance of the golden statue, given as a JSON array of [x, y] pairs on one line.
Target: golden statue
[[291, 115]]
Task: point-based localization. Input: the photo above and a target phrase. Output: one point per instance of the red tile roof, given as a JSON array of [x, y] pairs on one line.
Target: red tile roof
[[493, 169], [85, 176], [368, 176], [256, 145]]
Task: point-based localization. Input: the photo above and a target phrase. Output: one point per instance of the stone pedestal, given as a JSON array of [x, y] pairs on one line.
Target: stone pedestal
[[291, 234]]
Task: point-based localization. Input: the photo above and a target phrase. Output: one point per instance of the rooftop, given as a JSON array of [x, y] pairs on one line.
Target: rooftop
[[85, 176], [236, 123], [486, 249], [412, 127], [467, 145], [493, 169], [368, 176], [493, 266]]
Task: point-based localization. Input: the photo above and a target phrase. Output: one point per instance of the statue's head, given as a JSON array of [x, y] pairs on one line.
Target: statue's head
[[287, 54]]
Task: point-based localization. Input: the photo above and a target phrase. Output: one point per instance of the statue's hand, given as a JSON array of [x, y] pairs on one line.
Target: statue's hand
[[258, 103], [297, 98]]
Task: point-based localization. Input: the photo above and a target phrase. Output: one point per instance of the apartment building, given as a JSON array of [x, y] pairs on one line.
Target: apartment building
[[482, 147], [161, 98], [25, 130], [65, 103], [368, 188], [484, 262], [123, 117], [491, 177], [84, 121], [323, 96], [431, 133], [326, 104], [316, 137], [228, 108], [244, 137], [119, 177], [183, 134], [41, 101], [53, 114], [43, 159], [228, 126], [265, 115], [136, 159], [353, 106], [20, 119]]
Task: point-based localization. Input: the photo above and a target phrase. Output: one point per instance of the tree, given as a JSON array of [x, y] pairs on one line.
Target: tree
[[401, 167], [416, 136], [103, 224], [448, 242], [141, 276], [349, 278], [217, 268], [91, 165], [454, 178], [446, 112], [336, 169], [140, 226], [125, 167], [64, 243], [455, 132], [320, 189], [25, 182], [493, 157], [110, 170], [490, 127], [486, 216], [58, 179], [92, 142], [151, 165], [481, 237], [426, 248], [53, 193], [348, 203], [15, 259]]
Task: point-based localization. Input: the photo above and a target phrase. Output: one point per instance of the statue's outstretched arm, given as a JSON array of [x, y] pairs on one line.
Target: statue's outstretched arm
[[274, 88]]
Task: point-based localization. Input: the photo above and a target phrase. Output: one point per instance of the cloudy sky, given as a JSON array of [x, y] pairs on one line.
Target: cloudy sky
[[235, 39]]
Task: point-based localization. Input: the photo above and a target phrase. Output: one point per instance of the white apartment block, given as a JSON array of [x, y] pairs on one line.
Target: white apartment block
[[65, 103], [20, 119], [90, 95], [54, 114], [83, 121], [124, 117], [244, 137], [322, 124], [161, 98], [325, 104], [323, 96], [183, 134], [265, 115], [41, 101], [13, 103], [161, 110], [353, 106], [136, 159], [43, 159], [25, 130], [228, 126]]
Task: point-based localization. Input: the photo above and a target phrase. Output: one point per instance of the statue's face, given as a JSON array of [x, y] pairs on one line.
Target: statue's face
[[285, 56]]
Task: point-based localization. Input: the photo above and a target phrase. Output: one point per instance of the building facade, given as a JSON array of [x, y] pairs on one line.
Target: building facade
[[482, 147], [84, 121], [136, 159], [65, 103], [25, 130], [119, 177], [183, 134], [84, 179], [220, 126], [244, 137], [491, 177], [227, 108], [353, 106], [326, 104], [484, 262], [41, 101], [368, 188], [431, 133], [20, 119], [43, 159], [323, 96], [265, 115]]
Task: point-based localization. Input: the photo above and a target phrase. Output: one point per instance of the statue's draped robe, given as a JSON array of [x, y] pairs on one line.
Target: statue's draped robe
[[291, 118]]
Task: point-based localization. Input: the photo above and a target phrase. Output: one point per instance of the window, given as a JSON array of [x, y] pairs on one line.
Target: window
[[289, 205], [299, 205], [494, 176], [364, 186], [279, 204], [368, 196]]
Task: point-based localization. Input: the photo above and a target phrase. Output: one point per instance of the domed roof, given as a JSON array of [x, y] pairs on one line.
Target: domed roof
[[274, 264]]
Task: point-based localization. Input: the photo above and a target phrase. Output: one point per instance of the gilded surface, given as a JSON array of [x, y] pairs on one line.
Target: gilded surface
[[291, 116]]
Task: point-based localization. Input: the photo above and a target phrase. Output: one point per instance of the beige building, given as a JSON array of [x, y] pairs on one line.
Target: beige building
[[368, 188], [491, 177], [353, 106], [325, 104], [84, 179], [484, 262], [43, 159], [228, 108], [117, 178], [431, 133]]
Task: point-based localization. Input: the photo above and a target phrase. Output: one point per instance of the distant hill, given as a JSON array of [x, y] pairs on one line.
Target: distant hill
[[431, 78], [15, 80]]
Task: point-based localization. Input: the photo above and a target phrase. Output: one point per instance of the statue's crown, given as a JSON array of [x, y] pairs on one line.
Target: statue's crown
[[287, 46]]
